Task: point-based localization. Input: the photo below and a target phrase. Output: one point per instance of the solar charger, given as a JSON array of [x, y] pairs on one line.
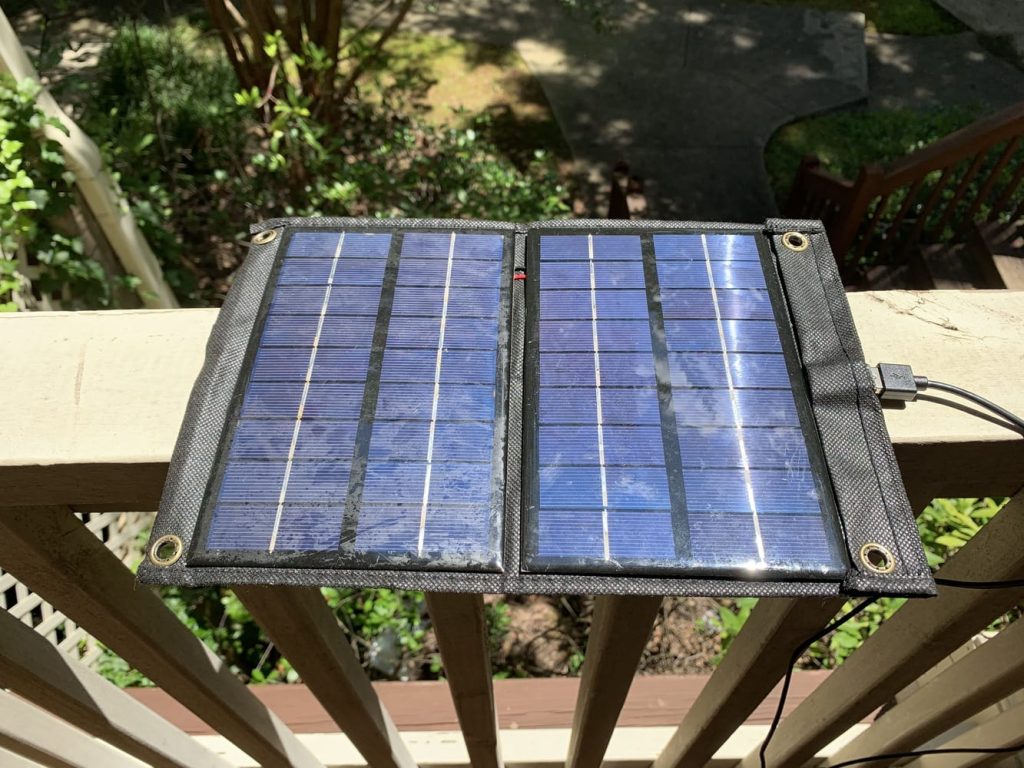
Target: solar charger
[[574, 406]]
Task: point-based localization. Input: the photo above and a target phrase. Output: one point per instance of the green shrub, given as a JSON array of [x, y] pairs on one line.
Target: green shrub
[[161, 107], [894, 17], [36, 196], [199, 163]]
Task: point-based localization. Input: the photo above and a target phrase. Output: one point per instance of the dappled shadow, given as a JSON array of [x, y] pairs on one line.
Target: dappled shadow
[[949, 70], [688, 95]]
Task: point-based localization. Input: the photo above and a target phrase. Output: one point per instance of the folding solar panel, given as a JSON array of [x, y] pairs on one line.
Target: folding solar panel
[[565, 407]]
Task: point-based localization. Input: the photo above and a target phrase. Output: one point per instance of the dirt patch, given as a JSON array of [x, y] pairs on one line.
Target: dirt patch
[[547, 636]]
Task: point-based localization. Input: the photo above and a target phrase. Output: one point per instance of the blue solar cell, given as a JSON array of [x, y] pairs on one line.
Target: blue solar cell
[[570, 533], [691, 304], [621, 369], [462, 302], [419, 366], [578, 335], [626, 446], [611, 305], [692, 247], [645, 534], [708, 336], [684, 274], [421, 466], [241, 526], [581, 486], [608, 491], [576, 275], [459, 333], [763, 448], [299, 330], [560, 405], [309, 528], [743, 407], [320, 245], [322, 271]]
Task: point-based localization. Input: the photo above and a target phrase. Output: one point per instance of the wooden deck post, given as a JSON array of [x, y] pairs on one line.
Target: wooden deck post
[[463, 639], [34, 669], [618, 635], [51, 551], [307, 632]]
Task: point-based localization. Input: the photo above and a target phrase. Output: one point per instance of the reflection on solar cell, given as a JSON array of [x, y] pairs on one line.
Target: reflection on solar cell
[[367, 423], [667, 430]]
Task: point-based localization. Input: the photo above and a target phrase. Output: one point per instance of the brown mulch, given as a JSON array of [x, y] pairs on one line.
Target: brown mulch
[[547, 636]]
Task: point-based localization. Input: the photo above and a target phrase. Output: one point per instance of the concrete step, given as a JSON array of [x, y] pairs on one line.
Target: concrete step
[[1000, 24]]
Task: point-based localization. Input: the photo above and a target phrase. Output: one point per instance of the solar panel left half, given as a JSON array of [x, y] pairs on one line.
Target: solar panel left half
[[368, 429]]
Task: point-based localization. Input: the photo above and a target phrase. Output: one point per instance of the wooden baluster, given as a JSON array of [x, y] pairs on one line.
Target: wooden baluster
[[986, 187], [908, 201], [37, 736], [796, 206], [463, 639], [926, 212], [865, 189], [1018, 212], [1003, 730], [908, 644], [1008, 192], [35, 670], [756, 661], [872, 227], [958, 194], [980, 679], [51, 551], [618, 635], [307, 633]]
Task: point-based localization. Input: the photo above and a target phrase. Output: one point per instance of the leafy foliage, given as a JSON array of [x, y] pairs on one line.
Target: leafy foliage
[[163, 111], [199, 161], [730, 619], [36, 196]]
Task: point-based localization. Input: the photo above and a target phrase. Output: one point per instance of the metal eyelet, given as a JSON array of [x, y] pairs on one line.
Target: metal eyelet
[[796, 241], [166, 551], [877, 558]]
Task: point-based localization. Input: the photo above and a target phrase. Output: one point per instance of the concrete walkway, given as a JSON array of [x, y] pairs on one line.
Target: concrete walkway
[[946, 70], [688, 94]]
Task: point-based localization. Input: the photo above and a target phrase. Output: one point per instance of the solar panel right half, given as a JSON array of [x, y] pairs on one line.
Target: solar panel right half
[[668, 425]]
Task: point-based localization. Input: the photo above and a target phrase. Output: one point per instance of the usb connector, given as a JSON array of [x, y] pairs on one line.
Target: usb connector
[[897, 382]]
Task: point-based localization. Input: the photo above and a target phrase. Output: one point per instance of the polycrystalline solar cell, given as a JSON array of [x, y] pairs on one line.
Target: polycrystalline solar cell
[[667, 430], [366, 423]]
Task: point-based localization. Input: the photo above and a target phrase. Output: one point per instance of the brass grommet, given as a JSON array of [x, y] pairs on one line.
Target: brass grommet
[[796, 241], [166, 550], [264, 237], [877, 558]]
